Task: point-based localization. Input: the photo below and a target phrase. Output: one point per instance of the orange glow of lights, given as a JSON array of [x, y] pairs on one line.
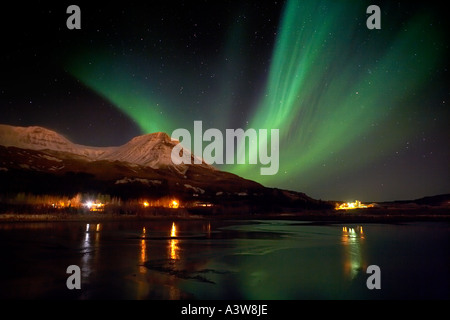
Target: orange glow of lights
[[351, 205], [174, 204], [146, 204]]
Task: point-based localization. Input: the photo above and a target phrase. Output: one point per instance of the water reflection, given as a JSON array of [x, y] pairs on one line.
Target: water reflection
[[173, 244], [353, 242], [173, 232], [174, 291], [143, 255], [208, 230], [309, 262], [90, 243]]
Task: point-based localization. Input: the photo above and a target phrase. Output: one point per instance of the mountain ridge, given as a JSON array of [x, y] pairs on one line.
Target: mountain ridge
[[153, 149], [36, 160]]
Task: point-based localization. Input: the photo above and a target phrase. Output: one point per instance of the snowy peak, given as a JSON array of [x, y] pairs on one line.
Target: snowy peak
[[150, 138], [153, 150]]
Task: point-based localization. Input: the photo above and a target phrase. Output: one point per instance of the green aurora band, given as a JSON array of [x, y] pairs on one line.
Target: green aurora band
[[334, 90], [334, 87], [121, 88]]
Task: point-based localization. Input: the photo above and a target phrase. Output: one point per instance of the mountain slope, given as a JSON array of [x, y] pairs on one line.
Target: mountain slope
[[39, 161], [152, 150], [38, 138], [35, 152]]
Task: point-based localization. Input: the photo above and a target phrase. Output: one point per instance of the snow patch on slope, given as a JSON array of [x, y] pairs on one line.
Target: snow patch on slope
[[196, 189], [143, 181]]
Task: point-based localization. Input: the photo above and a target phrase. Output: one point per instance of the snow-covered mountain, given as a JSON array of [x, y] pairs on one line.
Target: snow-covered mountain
[[39, 138], [151, 150], [36, 160]]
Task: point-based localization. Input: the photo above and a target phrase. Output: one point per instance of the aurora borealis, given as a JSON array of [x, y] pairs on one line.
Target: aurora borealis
[[332, 90], [362, 114]]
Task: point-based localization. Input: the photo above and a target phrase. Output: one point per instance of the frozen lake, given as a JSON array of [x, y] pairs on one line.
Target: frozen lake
[[218, 259]]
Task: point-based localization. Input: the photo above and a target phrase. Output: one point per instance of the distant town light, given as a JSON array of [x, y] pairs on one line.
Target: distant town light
[[97, 206], [174, 204], [352, 205]]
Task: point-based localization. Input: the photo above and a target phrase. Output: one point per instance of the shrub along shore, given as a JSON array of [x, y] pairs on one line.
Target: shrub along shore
[[326, 216]]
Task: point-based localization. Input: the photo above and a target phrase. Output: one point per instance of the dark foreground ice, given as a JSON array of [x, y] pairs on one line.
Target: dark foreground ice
[[223, 260]]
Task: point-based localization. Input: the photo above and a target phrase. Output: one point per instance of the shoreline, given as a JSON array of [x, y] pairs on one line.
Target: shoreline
[[394, 216]]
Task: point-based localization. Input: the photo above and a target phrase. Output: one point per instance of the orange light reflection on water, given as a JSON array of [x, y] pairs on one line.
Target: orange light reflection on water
[[173, 245], [143, 256], [353, 239]]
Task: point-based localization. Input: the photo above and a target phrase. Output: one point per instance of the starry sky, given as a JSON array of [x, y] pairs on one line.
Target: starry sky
[[362, 114]]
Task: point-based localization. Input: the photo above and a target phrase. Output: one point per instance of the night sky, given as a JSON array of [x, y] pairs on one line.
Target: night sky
[[363, 114]]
